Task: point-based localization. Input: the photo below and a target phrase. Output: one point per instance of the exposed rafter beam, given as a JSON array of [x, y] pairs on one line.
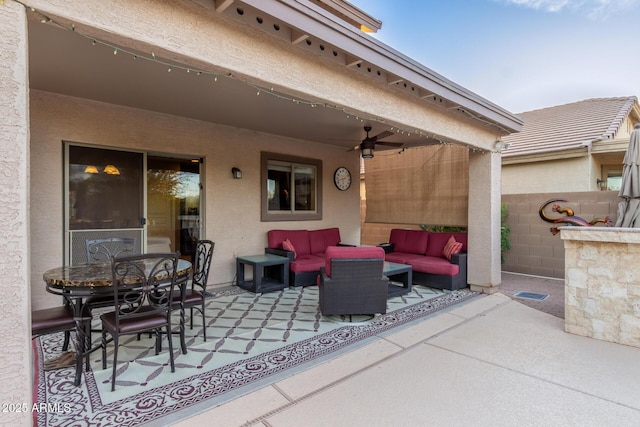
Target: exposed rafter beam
[[298, 36], [391, 79], [221, 5], [425, 94], [326, 28], [351, 61]]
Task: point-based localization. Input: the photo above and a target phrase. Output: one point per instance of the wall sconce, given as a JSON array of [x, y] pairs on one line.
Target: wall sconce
[[91, 169], [501, 146], [237, 173], [601, 183]]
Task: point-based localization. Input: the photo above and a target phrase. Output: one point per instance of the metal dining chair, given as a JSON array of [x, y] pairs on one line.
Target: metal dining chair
[[101, 250], [195, 294], [143, 290], [60, 319]]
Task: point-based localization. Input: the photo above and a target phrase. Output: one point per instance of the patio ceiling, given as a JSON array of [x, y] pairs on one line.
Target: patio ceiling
[[63, 62], [66, 62]]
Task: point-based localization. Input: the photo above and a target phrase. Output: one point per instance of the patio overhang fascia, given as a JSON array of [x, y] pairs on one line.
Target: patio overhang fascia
[[548, 155], [307, 19], [618, 145]]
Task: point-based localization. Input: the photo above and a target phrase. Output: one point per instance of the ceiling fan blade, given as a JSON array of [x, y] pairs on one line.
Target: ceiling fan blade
[[382, 135], [357, 147], [392, 144]]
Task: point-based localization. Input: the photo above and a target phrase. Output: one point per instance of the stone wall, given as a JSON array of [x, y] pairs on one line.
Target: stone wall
[[602, 284], [534, 250]]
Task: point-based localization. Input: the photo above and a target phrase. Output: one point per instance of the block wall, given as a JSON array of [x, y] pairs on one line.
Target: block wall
[[534, 249]]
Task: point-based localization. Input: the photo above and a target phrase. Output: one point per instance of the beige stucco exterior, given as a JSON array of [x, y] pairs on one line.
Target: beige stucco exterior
[[232, 206], [567, 171], [572, 174], [35, 124]]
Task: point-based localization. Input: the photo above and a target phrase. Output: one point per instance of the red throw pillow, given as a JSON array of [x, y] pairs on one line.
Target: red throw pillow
[[288, 246], [452, 247]]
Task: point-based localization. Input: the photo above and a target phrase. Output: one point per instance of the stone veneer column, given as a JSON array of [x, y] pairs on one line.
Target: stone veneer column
[[602, 283], [484, 222], [15, 323]]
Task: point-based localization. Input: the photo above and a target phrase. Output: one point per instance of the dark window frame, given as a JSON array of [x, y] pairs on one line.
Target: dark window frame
[[266, 215]]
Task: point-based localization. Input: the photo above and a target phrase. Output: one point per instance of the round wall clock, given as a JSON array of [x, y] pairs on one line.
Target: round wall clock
[[342, 178]]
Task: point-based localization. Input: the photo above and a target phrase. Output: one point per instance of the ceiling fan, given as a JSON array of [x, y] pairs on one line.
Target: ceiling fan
[[367, 146]]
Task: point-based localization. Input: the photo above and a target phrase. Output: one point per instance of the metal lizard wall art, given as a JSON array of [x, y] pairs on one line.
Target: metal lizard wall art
[[569, 218]]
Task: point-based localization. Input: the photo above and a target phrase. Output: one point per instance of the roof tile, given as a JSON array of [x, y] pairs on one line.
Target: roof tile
[[568, 126]]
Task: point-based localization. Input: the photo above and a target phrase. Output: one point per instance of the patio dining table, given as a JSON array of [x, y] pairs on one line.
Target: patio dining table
[[75, 283]]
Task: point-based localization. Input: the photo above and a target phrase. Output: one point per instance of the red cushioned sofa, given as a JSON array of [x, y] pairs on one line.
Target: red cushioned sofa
[[308, 255], [422, 250]]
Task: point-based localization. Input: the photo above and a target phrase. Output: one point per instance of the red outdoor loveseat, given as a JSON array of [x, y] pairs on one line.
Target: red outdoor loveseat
[[423, 251], [305, 250]]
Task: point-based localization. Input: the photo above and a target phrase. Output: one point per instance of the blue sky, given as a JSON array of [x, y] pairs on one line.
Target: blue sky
[[519, 54]]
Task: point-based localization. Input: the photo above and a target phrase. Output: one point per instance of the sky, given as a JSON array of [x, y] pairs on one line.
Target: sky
[[519, 54]]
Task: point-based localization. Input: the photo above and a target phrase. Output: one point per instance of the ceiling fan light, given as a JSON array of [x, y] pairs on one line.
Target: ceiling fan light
[[367, 153], [366, 149]]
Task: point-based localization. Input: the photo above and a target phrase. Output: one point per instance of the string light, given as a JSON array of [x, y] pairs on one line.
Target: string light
[[271, 91]]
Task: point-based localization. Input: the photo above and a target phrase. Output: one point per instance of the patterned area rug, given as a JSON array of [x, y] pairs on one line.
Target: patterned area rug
[[252, 341]]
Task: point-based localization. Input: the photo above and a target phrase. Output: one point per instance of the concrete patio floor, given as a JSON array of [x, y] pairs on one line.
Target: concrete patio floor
[[492, 361]]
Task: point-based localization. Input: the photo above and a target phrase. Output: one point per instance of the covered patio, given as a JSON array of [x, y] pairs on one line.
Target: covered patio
[[224, 82]]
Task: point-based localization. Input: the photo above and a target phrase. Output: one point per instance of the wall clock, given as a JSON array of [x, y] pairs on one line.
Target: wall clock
[[342, 178]]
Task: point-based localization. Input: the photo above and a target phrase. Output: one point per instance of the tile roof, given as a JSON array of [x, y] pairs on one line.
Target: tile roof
[[568, 126]]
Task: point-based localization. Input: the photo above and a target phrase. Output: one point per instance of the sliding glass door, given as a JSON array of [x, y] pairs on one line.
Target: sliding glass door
[[173, 204], [113, 193]]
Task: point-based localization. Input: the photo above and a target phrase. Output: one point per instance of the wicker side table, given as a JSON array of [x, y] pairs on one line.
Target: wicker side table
[[260, 283]]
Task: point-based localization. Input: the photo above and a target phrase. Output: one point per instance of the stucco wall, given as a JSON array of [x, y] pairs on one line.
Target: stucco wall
[[534, 250], [194, 35], [15, 324], [570, 175], [232, 206], [200, 36]]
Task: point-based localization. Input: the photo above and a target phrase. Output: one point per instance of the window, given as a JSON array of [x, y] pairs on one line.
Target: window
[[291, 188], [613, 177]]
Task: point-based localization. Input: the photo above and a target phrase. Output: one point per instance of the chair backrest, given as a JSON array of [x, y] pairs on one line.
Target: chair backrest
[[201, 262], [352, 253], [101, 250], [143, 284]]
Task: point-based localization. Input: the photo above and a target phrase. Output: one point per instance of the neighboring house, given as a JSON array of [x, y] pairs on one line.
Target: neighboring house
[[570, 148], [227, 93], [572, 152]]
